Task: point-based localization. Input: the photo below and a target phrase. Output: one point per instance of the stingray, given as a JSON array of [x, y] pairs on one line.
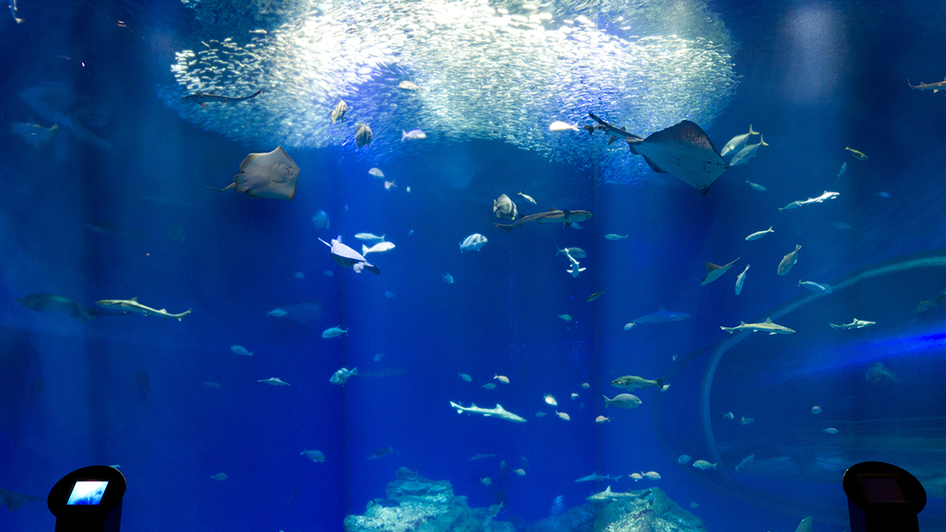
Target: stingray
[[349, 258], [683, 150], [15, 501], [266, 175], [714, 272]]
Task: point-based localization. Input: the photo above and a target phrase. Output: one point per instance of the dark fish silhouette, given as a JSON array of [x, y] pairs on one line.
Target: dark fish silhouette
[[683, 150], [201, 98]]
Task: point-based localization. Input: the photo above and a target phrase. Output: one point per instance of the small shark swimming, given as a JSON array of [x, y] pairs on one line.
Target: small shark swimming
[[551, 216], [935, 87], [765, 326], [132, 305], [661, 316], [684, 151], [498, 412], [201, 98]]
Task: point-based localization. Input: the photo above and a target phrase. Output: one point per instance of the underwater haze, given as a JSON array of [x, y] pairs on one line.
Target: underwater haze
[[471, 264]]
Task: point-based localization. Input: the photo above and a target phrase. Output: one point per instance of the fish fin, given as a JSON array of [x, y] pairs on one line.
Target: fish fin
[[202, 104], [762, 140], [752, 132], [660, 382], [654, 166], [505, 228], [589, 128], [135, 299], [768, 320]]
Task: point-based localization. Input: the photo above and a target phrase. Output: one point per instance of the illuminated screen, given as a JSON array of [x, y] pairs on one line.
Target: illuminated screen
[[87, 492], [882, 489]]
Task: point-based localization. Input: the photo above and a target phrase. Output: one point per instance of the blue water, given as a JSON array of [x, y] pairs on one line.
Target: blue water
[[815, 77]]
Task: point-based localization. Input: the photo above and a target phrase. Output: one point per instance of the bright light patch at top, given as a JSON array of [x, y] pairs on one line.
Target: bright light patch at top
[[486, 70]]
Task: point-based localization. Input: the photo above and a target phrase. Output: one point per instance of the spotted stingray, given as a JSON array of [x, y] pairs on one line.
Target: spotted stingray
[[683, 150]]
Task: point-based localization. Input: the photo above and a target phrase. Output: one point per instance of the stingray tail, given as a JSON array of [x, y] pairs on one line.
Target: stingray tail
[[228, 187]]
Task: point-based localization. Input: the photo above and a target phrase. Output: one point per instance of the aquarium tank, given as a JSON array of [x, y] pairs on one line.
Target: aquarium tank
[[480, 265]]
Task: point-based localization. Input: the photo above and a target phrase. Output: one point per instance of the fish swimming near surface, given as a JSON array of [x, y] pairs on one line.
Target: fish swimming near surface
[[558, 125], [408, 86], [499, 412], [363, 135], [201, 98], [339, 112], [46, 301], [527, 197], [737, 142], [132, 305], [766, 326], [414, 134], [551, 216], [935, 87], [684, 151], [714, 272]]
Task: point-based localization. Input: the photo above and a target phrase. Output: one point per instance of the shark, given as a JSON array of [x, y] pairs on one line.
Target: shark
[[935, 87], [551, 216], [132, 305], [684, 151], [201, 98], [498, 412], [767, 326]]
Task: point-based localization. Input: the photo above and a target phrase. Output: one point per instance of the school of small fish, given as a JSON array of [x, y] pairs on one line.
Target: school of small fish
[[489, 43]]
